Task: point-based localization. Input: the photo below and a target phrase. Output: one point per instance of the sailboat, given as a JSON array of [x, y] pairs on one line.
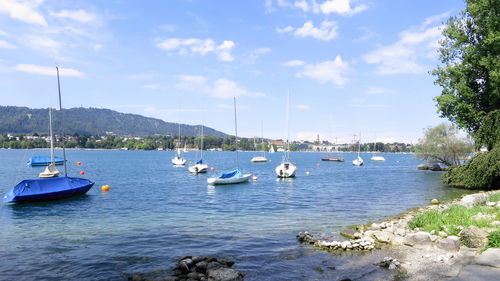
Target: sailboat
[[358, 161], [49, 188], [199, 167], [178, 160], [333, 158], [51, 170], [375, 157], [235, 176], [286, 169], [261, 158]]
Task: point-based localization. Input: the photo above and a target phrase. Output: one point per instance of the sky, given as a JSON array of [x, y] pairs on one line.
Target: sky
[[351, 67]]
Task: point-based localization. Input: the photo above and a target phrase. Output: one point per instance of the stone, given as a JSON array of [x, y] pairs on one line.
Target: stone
[[442, 234], [434, 201], [481, 216], [224, 274], [419, 238], [495, 223], [400, 232], [201, 266], [389, 262], [436, 167], [374, 226], [348, 233], [449, 244], [423, 167], [477, 272], [473, 199], [491, 204], [490, 257], [398, 241], [383, 236], [305, 237], [192, 275], [473, 237]]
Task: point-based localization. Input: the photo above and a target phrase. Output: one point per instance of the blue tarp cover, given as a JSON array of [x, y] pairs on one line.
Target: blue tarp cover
[[199, 161], [44, 160], [232, 174], [50, 188]]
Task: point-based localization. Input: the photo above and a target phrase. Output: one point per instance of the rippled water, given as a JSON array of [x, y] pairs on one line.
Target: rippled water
[[155, 213]]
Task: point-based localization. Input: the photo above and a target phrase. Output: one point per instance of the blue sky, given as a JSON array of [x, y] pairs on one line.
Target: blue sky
[[350, 65]]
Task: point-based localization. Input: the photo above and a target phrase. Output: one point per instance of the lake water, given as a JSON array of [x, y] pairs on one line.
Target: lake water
[[155, 213]]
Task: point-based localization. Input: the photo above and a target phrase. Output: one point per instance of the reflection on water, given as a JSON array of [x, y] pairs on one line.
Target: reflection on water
[[155, 213]]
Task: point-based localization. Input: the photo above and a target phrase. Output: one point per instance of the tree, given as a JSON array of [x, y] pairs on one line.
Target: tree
[[442, 144], [470, 75]]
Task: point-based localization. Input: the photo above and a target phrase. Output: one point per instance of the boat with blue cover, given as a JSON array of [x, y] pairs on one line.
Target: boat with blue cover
[[235, 176], [31, 190], [42, 189], [44, 160]]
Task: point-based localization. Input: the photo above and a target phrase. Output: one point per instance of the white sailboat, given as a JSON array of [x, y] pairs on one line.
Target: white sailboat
[[178, 160], [376, 157], [199, 167], [358, 161], [271, 148], [51, 170], [286, 169], [235, 176], [261, 158]]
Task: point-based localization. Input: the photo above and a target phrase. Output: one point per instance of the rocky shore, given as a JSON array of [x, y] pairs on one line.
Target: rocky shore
[[421, 255]]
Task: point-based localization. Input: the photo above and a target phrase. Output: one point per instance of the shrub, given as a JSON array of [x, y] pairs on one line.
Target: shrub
[[493, 240]]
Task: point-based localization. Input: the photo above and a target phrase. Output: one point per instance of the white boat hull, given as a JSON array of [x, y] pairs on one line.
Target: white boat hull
[[286, 170], [242, 179], [259, 159], [358, 161], [198, 168], [378, 158], [178, 161]]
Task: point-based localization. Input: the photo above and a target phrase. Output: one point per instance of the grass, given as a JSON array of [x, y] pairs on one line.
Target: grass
[[493, 240], [452, 219], [495, 197]]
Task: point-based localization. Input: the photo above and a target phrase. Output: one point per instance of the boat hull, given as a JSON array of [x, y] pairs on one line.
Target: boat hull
[[377, 158], [286, 170], [198, 168], [220, 181], [332, 159], [259, 159], [358, 162], [178, 161], [47, 189]]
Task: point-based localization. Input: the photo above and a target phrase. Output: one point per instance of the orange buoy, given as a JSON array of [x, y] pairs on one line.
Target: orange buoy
[[212, 169], [78, 163], [105, 187], [82, 173], [317, 164]]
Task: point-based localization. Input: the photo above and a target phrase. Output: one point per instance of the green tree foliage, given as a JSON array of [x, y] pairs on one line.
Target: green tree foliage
[[470, 74], [489, 133], [442, 144], [481, 172]]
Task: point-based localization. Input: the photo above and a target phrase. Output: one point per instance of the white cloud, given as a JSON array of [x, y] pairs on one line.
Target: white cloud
[[43, 42], [6, 45], [268, 4], [194, 46], [404, 56], [197, 79], [285, 29], [333, 71], [341, 7], [226, 89], [378, 91], [255, 54], [309, 136], [326, 31], [80, 15], [292, 63], [25, 11], [3, 33], [47, 70], [303, 107]]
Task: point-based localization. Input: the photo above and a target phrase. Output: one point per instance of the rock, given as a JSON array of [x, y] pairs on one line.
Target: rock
[[305, 237], [398, 240], [419, 238], [400, 232], [496, 223], [384, 237], [442, 234], [201, 266], [481, 216], [436, 167], [224, 274], [348, 233], [491, 204], [490, 257], [434, 201], [423, 167], [477, 272], [192, 275], [389, 262], [473, 199], [374, 226], [449, 244], [473, 237]]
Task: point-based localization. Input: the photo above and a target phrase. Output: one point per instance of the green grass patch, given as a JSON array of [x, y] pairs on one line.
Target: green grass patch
[[493, 240], [450, 219], [495, 197]]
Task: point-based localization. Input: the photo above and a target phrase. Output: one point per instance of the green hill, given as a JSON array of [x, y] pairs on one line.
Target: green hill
[[91, 121]]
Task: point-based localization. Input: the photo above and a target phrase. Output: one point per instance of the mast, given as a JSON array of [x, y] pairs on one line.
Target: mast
[[359, 143], [179, 144], [62, 124], [262, 138], [51, 138], [236, 134], [287, 152]]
